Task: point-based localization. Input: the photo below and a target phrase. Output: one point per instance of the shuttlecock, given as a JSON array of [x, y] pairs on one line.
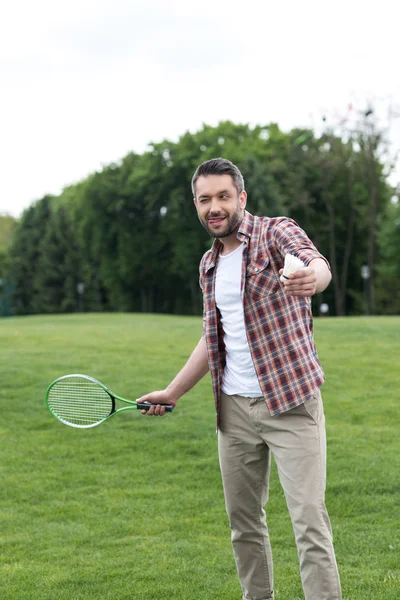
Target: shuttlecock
[[292, 264]]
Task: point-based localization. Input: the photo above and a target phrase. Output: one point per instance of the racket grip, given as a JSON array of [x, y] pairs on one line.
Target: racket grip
[[147, 405]]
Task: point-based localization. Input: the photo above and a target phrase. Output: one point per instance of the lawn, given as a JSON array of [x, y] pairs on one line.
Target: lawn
[[133, 509]]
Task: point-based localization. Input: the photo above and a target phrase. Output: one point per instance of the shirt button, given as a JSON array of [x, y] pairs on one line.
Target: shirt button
[[256, 269]]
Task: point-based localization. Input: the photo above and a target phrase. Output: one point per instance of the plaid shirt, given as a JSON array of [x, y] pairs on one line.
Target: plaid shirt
[[279, 327]]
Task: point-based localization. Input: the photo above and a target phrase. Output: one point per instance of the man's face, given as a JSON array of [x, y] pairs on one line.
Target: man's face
[[219, 206]]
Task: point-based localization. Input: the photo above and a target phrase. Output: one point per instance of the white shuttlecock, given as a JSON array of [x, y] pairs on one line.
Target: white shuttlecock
[[292, 264]]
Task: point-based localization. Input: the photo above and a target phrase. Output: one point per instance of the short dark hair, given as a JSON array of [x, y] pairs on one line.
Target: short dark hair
[[219, 166]]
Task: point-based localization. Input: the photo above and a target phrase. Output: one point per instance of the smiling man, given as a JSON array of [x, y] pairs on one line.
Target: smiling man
[[219, 206], [258, 345]]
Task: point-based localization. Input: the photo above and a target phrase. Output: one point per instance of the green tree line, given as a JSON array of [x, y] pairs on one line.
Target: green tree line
[[127, 238]]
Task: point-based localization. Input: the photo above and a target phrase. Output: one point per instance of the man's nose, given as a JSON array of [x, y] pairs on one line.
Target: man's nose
[[215, 207]]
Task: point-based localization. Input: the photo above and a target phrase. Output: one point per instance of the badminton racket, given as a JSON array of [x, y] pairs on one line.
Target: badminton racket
[[82, 401]]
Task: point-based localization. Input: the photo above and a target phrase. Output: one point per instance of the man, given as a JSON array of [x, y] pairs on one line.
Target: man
[[258, 345]]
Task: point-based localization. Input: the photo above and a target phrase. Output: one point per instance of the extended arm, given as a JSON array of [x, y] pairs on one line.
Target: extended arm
[[322, 273]]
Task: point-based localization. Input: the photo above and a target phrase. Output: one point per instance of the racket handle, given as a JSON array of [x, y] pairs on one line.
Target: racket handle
[[147, 405]]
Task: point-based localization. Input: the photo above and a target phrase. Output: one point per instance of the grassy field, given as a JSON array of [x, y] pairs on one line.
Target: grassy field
[[134, 509]]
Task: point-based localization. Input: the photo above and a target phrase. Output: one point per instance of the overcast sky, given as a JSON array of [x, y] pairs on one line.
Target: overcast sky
[[84, 82]]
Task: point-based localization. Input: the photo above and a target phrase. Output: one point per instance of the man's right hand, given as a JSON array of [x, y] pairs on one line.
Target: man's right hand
[[157, 398]]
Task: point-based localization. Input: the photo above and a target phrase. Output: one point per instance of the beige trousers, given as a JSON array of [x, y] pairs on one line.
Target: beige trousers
[[247, 437]]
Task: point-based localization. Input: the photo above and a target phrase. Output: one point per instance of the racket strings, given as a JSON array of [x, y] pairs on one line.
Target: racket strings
[[79, 402]]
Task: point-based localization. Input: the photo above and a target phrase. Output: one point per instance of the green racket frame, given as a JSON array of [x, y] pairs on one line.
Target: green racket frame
[[133, 404]]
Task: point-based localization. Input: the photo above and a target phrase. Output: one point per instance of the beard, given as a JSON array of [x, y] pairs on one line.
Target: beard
[[230, 224]]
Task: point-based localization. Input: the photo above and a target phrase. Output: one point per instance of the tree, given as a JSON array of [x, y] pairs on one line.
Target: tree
[[24, 254], [388, 272], [7, 226], [58, 267], [131, 235]]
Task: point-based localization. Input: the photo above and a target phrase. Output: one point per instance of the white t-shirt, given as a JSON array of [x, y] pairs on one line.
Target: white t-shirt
[[239, 374]]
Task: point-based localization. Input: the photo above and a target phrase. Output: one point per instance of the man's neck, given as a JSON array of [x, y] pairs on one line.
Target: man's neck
[[229, 244]]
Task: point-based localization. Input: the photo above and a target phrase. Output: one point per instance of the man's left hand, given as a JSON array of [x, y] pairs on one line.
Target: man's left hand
[[301, 283]]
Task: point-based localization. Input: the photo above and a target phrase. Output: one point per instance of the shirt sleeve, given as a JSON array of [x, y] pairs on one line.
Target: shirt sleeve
[[290, 238], [201, 284], [201, 275]]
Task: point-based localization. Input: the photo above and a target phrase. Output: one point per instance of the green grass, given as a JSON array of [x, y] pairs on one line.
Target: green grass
[[134, 509]]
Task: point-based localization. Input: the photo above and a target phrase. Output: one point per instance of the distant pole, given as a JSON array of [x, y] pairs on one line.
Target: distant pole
[[80, 288], [365, 274]]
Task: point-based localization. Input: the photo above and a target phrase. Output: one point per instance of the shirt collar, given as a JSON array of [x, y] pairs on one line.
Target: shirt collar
[[246, 226]]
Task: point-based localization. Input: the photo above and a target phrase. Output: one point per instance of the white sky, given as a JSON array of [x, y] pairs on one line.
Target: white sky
[[83, 82]]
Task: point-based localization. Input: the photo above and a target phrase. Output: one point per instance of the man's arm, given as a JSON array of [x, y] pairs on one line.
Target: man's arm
[[316, 276], [194, 370], [309, 280], [322, 273]]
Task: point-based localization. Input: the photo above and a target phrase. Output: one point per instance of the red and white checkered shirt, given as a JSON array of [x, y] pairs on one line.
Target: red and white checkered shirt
[[279, 327]]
